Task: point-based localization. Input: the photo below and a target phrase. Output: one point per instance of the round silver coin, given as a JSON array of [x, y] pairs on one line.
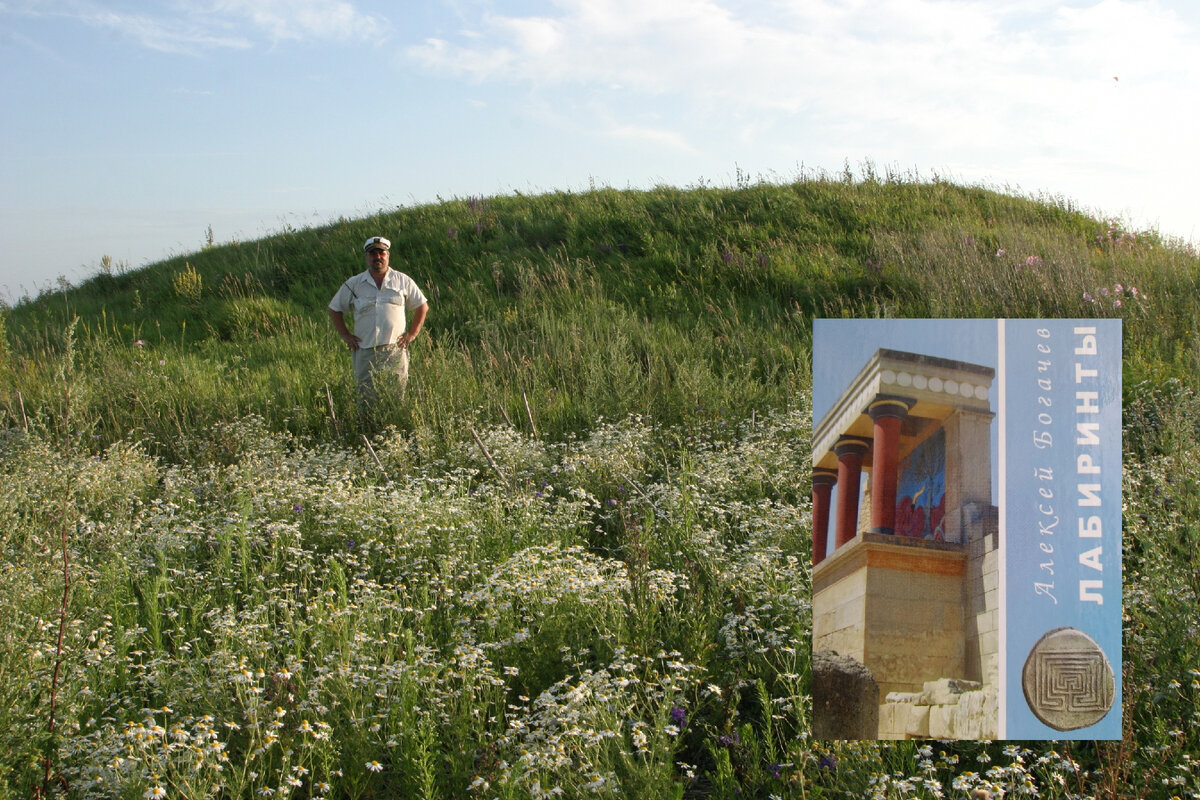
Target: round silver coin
[[1068, 681]]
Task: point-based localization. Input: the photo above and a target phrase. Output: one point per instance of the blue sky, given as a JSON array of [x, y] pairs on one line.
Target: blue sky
[[129, 128]]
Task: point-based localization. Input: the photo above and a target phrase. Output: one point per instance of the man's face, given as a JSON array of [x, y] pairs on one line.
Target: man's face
[[377, 260]]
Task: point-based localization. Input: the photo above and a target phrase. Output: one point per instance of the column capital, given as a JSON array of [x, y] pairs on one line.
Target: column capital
[[851, 446], [824, 477], [889, 405]]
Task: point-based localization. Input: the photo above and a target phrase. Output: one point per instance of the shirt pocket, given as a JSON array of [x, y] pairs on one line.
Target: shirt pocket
[[392, 297]]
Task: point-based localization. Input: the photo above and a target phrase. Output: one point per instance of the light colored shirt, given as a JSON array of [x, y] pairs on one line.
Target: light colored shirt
[[379, 313]]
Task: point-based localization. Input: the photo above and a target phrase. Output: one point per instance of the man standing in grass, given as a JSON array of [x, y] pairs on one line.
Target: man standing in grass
[[379, 299]]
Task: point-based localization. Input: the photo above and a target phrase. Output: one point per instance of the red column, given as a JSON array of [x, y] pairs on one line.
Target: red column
[[822, 482], [886, 413], [850, 451]]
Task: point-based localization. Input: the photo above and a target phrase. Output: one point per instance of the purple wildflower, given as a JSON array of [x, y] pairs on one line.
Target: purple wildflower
[[679, 716]]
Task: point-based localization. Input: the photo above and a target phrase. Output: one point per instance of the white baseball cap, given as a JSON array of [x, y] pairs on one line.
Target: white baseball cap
[[377, 242]]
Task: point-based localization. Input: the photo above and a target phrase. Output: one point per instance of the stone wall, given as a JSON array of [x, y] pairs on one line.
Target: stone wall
[[914, 618], [896, 605], [981, 596], [840, 616]]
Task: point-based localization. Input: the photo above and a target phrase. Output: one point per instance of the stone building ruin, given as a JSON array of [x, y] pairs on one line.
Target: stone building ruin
[[911, 586]]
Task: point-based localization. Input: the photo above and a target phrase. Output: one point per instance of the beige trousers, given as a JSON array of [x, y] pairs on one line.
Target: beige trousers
[[379, 371]]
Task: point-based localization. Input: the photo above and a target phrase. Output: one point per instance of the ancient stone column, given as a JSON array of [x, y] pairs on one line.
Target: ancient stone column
[[886, 412], [822, 481], [849, 451]]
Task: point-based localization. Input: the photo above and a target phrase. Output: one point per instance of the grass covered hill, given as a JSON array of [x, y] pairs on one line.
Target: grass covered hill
[[573, 561], [683, 304]]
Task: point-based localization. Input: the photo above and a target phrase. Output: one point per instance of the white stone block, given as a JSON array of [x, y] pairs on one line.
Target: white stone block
[[941, 722], [991, 581], [947, 691], [917, 721], [904, 697], [887, 721], [989, 644]]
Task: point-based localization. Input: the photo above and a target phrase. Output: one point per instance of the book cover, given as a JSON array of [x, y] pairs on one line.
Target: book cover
[[967, 529]]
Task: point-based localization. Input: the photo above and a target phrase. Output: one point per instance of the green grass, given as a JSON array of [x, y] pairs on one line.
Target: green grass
[[257, 601]]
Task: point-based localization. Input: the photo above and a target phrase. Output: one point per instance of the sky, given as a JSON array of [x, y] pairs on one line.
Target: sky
[[133, 129]]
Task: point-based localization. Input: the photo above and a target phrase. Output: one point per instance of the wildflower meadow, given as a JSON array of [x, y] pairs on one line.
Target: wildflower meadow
[[574, 560]]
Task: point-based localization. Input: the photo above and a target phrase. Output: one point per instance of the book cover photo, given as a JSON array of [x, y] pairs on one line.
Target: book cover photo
[[967, 529]]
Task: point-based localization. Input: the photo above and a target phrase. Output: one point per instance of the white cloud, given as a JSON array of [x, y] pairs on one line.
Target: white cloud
[[538, 36], [602, 42], [191, 27], [472, 63], [164, 35], [301, 19], [658, 136]]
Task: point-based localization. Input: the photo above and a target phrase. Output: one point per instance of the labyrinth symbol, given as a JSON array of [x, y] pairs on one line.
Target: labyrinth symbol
[[1067, 679]]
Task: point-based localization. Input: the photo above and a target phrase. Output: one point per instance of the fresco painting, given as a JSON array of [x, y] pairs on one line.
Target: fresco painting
[[921, 495]]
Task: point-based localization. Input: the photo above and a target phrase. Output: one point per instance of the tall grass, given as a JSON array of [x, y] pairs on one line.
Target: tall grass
[[279, 617]]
